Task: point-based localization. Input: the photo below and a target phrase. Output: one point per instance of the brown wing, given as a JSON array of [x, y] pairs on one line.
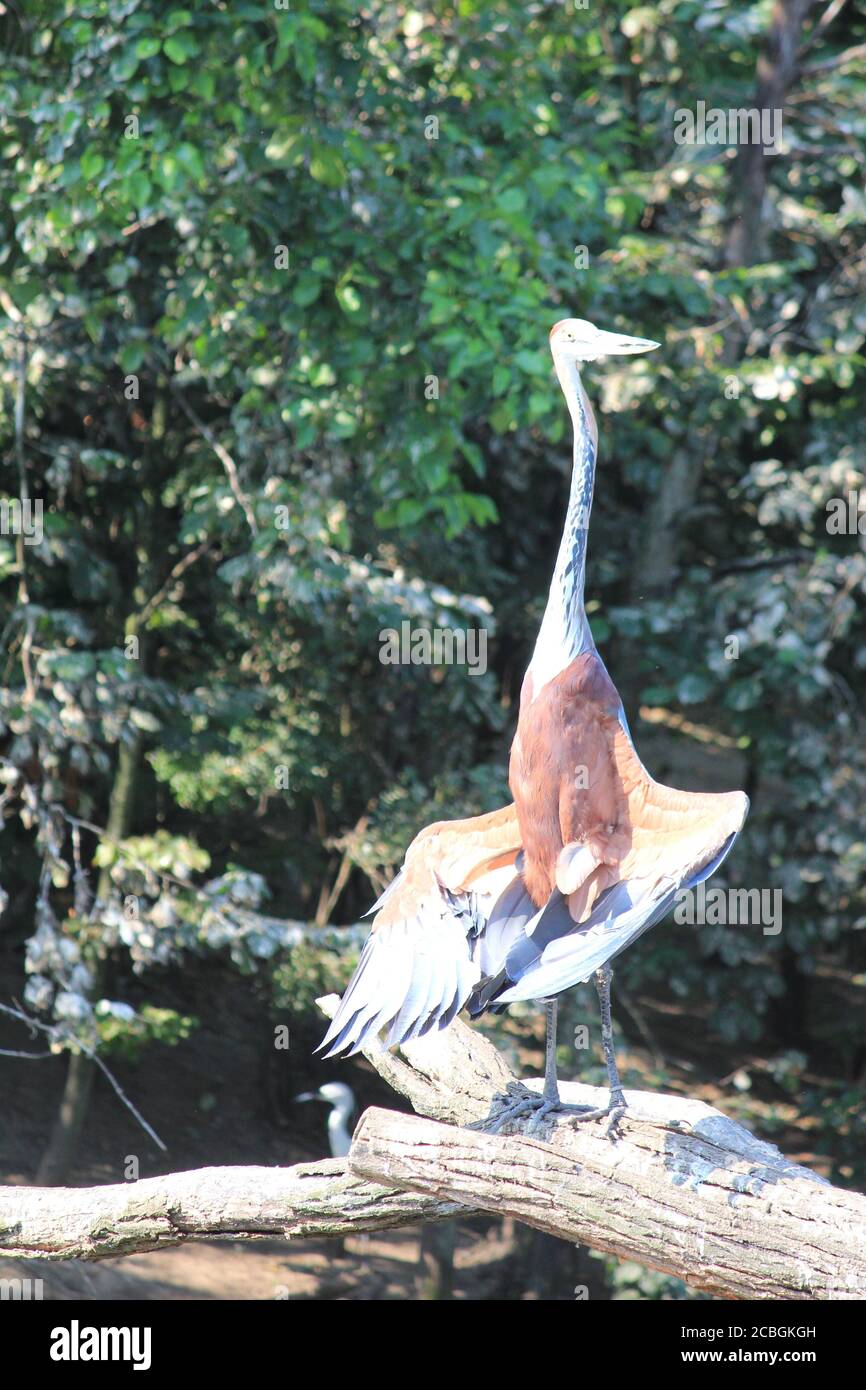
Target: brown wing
[[606, 848], [463, 854]]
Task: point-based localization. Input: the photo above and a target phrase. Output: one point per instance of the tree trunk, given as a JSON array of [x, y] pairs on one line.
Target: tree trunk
[[747, 238], [658, 556], [75, 1101], [435, 1279], [72, 1112]]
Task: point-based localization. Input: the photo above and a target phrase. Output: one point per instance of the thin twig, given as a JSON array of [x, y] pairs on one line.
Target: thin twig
[[329, 899], [848, 55], [224, 457], [37, 1024], [825, 20], [148, 1129], [9, 308], [180, 568]]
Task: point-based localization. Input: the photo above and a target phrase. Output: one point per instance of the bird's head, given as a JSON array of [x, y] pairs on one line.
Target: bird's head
[[576, 340], [333, 1092]]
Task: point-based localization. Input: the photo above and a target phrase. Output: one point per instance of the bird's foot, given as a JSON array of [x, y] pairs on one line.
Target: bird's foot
[[612, 1112], [517, 1105]]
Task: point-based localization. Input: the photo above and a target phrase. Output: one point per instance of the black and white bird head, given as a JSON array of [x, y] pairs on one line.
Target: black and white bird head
[[342, 1102]]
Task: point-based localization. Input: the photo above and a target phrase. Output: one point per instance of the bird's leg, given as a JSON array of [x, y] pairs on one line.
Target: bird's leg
[[616, 1106], [551, 1088], [550, 1101], [520, 1101]]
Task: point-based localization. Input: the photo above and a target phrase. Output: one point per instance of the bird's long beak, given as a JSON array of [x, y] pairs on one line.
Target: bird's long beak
[[618, 345], [307, 1095]]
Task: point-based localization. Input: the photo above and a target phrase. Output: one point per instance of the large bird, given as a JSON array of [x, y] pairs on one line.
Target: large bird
[[532, 899]]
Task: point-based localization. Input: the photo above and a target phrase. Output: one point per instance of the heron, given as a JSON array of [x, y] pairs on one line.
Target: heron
[[541, 895], [342, 1102]]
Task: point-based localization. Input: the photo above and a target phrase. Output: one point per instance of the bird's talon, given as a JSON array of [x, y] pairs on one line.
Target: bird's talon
[[548, 1107], [613, 1130], [612, 1112], [516, 1104]]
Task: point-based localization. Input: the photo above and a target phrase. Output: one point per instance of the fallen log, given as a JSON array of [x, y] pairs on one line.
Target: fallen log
[[305, 1202]]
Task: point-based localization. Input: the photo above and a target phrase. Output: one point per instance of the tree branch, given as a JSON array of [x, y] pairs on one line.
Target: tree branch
[[838, 60], [92, 1223], [776, 72], [824, 21], [224, 457], [183, 564]]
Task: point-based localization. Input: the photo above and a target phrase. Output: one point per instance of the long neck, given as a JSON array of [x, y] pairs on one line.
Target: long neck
[[564, 630], [337, 1125]]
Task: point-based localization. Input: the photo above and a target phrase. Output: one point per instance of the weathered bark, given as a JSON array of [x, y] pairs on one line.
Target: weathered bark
[[309, 1200], [700, 1199], [683, 1189]]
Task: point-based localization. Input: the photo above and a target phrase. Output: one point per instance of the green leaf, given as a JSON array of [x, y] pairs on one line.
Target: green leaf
[[92, 163], [190, 159], [180, 48], [286, 143], [694, 688], [144, 720], [327, 167], [511, 200], [348, 299], [533, 363], [307, 289], [178, 19], [132, 355], [203, 83], [138, 189]]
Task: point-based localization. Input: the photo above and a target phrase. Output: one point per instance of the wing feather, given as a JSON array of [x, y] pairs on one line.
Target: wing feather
[[620, 916], [418, 966]]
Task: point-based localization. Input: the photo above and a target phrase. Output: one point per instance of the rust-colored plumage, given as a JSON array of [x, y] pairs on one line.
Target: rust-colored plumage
[[473, 855], [589, 813]]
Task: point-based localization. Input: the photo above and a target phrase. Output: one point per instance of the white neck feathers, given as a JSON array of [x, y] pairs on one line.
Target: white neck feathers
[[564, 630]]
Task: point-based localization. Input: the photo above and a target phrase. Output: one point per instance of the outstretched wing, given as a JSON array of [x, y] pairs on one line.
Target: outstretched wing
[[424, 954], [556, 953]]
